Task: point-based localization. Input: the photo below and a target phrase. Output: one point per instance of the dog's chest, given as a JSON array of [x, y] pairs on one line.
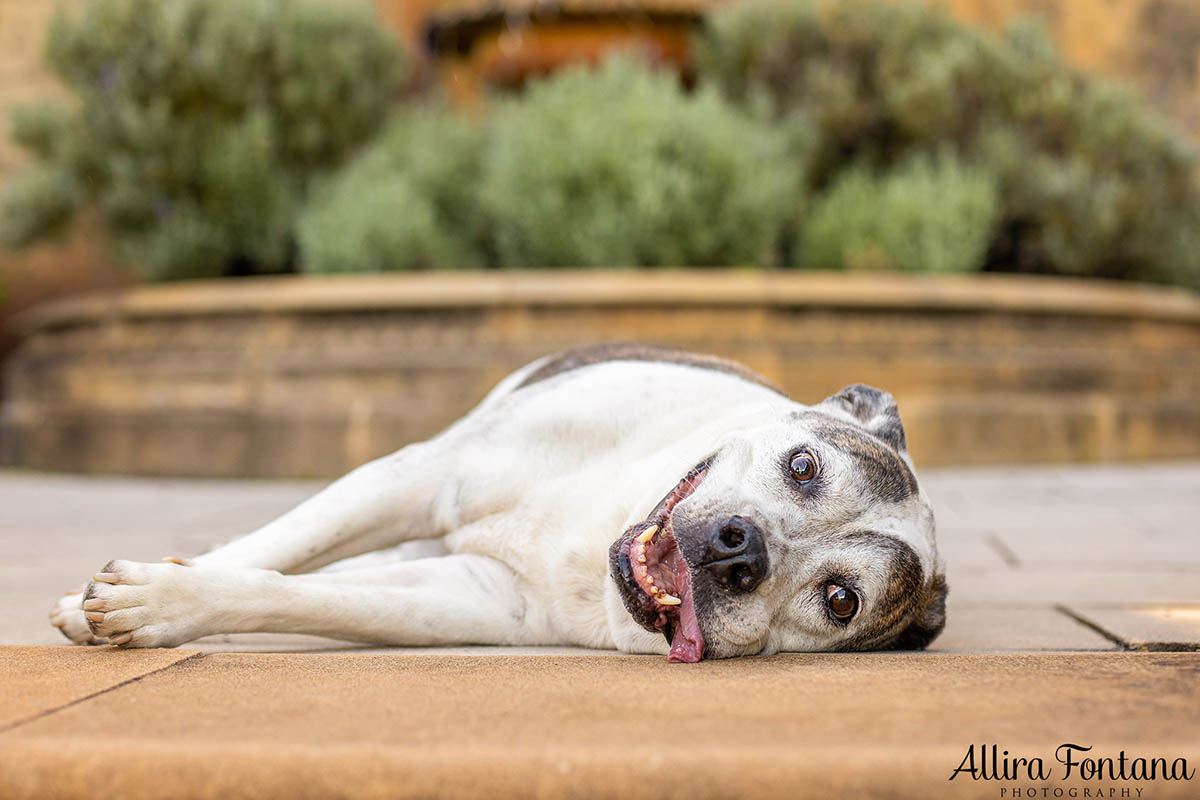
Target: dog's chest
[[561, 559]]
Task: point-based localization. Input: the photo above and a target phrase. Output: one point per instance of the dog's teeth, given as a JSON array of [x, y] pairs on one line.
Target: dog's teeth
[[668, 599], [648, 534], [642, 558]]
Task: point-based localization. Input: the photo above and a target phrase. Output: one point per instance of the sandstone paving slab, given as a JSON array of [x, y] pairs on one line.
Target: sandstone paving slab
[[1085, 534], [971, 548], [1080, 516], [396, 726], [28, 593], [1048, 586], [993, 628], [1029, 537], [1090, 547], [1154, 627], [299, 643], [1006, 483], [46, 518], [37, 680]]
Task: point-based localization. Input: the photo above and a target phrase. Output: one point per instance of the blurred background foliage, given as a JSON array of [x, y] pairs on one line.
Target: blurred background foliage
[[925, 214], [617, 166], [224, 137], [1087, 179], [410, 201], [197, 126]]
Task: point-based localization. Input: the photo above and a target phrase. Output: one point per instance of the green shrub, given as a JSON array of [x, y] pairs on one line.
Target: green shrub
[[1089, 180], [926, 215], [409, 202], [199, 125], [618, 166]]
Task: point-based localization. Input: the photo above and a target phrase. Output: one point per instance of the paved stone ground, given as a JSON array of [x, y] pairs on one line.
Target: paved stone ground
[[1055, 574], [1086, 558]]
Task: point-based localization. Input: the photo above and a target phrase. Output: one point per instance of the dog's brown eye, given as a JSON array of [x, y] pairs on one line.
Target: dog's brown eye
[[842, 602], [804, 467]]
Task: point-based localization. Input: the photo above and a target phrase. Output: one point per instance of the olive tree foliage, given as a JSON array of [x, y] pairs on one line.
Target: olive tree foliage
[[619, 166], [410, 201], [613, 166], [196, 126], [925, 215], [1088, 180]]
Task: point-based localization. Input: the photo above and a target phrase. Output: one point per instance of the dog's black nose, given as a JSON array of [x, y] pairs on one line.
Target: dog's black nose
[[736, 555]]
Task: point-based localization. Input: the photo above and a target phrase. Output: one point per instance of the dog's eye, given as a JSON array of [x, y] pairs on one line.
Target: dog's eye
[[843, 603], [804, 467]]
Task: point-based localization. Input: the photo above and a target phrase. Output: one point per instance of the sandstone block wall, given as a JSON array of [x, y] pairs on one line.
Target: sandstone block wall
[[310, 377]]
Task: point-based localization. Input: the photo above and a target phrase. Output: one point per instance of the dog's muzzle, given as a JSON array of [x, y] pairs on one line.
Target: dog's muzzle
[[654, 579]]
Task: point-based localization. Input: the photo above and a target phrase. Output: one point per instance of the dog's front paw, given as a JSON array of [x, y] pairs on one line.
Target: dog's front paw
[[141, 605], [67, 616]]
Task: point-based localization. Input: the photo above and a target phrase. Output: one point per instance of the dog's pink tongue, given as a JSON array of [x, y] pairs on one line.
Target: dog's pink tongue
[[687, 644]]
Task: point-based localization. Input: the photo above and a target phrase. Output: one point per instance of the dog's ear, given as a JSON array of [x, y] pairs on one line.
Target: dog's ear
[[875, 409], [925, 628]]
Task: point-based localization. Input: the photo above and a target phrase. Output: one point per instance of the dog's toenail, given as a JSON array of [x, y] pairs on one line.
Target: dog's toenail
[[105, 577], [95, 616], [93, 605], [122, 639]]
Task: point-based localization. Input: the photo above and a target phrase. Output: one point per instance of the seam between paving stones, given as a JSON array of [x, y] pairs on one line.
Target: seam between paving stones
[[1125, 644], [48, 711], [1001, 548], [1087, 623]]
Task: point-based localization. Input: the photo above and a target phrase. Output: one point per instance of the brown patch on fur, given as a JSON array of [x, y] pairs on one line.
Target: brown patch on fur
[[929, 622], [580, 357], [883, 470], [913, 610]]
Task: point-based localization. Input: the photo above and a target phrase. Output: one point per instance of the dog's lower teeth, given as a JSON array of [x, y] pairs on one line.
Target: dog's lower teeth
[[668, 599], [648, 534]]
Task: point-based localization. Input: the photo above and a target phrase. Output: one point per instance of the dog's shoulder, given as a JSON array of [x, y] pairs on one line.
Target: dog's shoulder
[[586, 356]]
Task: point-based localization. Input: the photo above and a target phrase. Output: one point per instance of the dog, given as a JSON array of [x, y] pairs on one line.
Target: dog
[[615, 496]]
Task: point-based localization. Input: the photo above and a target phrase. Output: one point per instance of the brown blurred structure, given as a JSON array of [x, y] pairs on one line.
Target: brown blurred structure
[[504, 44], [135, 381], [301, 377]]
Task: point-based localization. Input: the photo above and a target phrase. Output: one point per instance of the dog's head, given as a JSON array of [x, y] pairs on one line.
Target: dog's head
[[804, 531]]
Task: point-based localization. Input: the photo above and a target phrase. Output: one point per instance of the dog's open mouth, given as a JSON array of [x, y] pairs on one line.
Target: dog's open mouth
[[658, 580]]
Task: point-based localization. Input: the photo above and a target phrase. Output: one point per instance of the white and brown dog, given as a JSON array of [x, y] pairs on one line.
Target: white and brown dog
[[744, 523]]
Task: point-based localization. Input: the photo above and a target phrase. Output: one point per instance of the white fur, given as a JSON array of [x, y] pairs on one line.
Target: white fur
[[514, 507]]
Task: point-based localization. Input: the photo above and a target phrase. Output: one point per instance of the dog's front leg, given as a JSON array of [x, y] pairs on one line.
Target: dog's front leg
[[459, 599], [381, 504]]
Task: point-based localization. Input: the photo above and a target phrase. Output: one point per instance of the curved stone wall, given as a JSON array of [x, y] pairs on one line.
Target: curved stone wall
[[311, 376]]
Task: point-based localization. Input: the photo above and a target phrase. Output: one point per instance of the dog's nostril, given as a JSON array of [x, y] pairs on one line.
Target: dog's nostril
[[732, 537], [743, 578], [735, 555]]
